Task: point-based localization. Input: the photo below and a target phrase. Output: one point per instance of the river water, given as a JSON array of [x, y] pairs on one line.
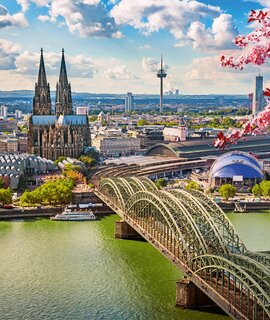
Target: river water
[[66, 270]]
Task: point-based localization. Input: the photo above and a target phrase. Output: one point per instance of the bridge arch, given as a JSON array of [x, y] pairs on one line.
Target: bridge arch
[[229, 235], [151, 213], [236, 281]]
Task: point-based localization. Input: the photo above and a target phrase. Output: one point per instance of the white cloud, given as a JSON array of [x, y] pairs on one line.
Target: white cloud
[[265, 3], [26, 3], [44, 18], [119, 72], [146, 46], [78, 66], [183, 19], [8, 53], [8, 20], [220, 36], [205, 75], [152, 65], [83, 17]]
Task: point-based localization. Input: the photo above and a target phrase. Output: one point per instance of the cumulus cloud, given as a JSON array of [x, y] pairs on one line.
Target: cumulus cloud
[[208, 69], [218, 37], [26, 3], [146, 46], [78, 66], [119, 72], [7, 19], [183, 19], [152, 65], [265, 3], [8, 53], [83, 17]]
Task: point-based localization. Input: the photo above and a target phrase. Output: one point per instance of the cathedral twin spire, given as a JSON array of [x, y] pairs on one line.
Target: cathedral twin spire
[[42, 99]]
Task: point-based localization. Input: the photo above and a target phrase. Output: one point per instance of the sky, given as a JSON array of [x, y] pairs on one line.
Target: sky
[[114, 46]]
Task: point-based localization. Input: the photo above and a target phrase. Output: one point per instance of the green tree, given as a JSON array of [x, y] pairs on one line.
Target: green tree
[[87, 160], [227, 191], [160, 183], [93, 118], [52, 192], [256, 190], [265, 187], [142, 122], [193, 185], [60, 159], [5, 196]]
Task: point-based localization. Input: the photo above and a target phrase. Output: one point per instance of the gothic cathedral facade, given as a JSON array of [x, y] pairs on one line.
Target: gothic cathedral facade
[[56, 133]]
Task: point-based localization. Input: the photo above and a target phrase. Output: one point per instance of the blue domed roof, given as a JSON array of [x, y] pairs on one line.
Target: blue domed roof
[[236, 164]]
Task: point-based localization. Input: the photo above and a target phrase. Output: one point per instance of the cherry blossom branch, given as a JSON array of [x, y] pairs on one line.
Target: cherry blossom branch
[[256, 49]]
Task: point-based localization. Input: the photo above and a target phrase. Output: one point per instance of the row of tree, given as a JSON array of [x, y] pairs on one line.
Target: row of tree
[[51, 192]]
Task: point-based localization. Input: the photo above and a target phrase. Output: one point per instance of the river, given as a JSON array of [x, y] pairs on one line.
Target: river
[[66, 270]]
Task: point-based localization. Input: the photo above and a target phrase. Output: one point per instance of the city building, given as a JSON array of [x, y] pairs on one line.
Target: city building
[[8, 125], [116, 146], [3, 111], [175, 134], [101, 117], [258, 97], [196, 148], [82, 111], [238, 168], [14, 166], [18, 114], [108, 117], [129, 102], [61, 133]]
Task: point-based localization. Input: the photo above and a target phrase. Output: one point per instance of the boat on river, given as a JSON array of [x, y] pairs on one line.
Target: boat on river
[[71, 215]]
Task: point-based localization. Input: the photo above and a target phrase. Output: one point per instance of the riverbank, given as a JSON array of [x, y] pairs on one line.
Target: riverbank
[[45, 212], [249, 206]]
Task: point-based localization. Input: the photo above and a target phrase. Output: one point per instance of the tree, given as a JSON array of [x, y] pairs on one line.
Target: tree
[[2, 182], [227, 191], [5, 196], [60, 159], [256, 190], [255, 50], [52, 192], [87, 160], [265, 187], [161, 182], [142, 122], [93, 118], [193, 185]]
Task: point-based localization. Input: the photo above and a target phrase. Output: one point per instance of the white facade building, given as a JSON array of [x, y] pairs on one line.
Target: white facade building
[[3, 111], [175, 134], [116, 146], [82, 111], [18, 114]]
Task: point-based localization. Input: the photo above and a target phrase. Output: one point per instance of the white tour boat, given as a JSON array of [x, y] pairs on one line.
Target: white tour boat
[[71, 215]]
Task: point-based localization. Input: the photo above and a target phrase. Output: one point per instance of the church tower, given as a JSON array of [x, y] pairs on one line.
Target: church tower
[[42, 104], [63, 103]]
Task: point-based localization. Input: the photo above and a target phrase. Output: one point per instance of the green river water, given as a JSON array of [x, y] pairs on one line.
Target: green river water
[[68, 270]]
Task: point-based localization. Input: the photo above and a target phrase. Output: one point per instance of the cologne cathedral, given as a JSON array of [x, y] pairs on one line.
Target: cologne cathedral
[[59, 132]]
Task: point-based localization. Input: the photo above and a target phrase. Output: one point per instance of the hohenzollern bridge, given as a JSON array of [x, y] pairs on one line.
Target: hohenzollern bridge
[[190, 230]]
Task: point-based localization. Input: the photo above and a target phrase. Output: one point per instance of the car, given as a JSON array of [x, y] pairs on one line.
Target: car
[[8, 206]]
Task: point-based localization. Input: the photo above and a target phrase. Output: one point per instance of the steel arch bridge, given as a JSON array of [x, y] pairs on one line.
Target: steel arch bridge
[[191, 230]]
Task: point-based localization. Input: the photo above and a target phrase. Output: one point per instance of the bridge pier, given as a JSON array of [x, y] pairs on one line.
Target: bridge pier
[[189, 296], [124, 231]]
